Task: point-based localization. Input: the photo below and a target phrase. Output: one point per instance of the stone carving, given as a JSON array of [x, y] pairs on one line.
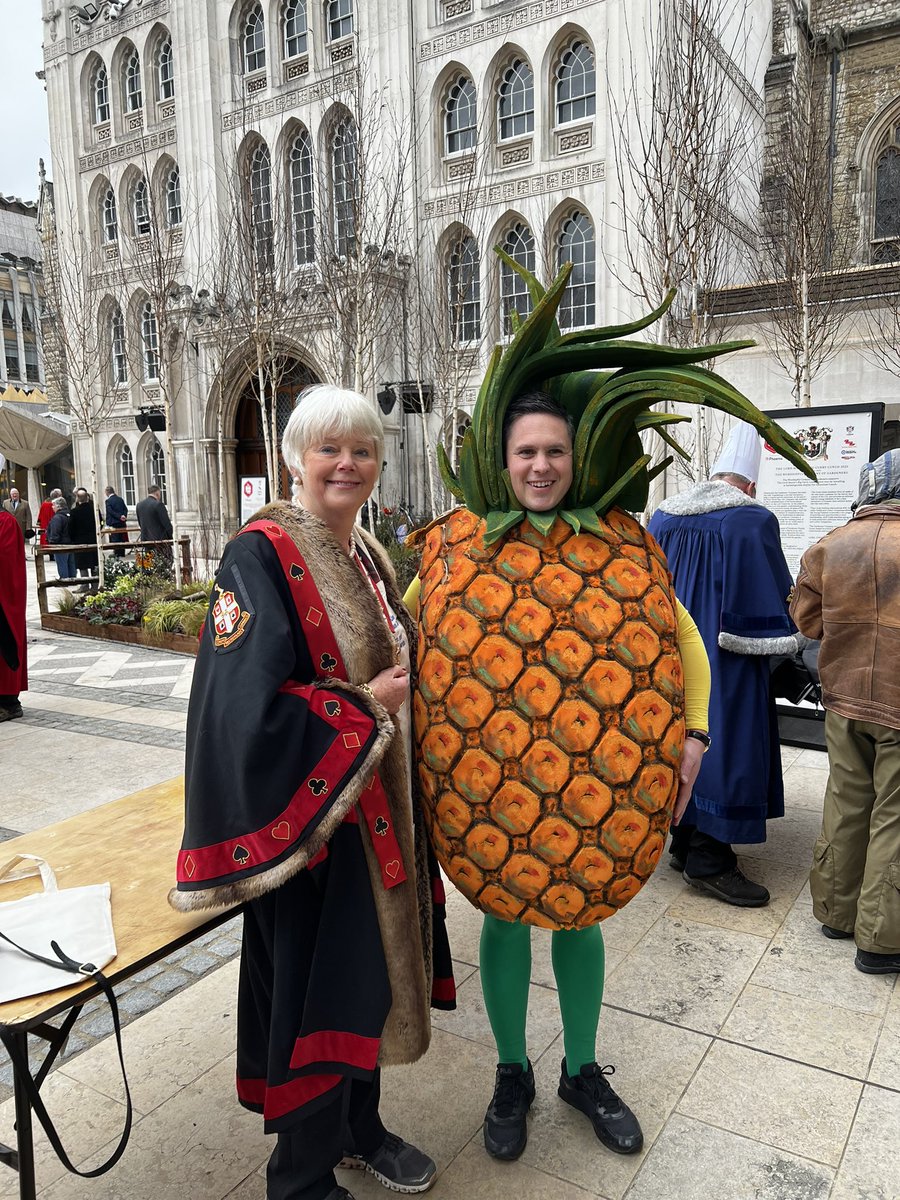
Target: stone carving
[[526, 14], [85, 15], [533, 185], [579, 139], [516, 155]]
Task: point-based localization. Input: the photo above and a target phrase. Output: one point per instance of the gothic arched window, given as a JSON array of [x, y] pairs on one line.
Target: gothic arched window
[[149, 343], [140, 207], [109, 220], [339, 18], [576, 244], [156, 468], [296, 36], [119, 362], [301, 184], [100, 95], [575, 84], [127, 487], [344, 184], [464, 291], [514, 294], [254, 40], [165, 69], [461, 116], [132, 91], [886, 229], [173, 198], [515, 103]]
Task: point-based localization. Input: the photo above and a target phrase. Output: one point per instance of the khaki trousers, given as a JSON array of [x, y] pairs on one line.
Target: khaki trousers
[[855, 879]]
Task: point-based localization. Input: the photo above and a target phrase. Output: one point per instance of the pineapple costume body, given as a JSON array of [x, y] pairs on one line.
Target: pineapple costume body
[[549, 714]]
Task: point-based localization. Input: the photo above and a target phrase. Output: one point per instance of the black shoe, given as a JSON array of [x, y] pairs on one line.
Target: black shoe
[[9, 712], [835, 934], [614, 1123], [877, 964], [505, 1127], [395, 1164], [339, 1193], [733, 887], [676, 862]]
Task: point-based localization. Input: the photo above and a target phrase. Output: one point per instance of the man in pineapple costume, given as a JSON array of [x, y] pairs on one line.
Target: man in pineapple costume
[[550, 703], [724, 550]]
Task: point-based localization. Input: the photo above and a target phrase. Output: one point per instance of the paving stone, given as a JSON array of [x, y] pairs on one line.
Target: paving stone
[[199, 962], [148, 973], [139, 1001], [169, 982]]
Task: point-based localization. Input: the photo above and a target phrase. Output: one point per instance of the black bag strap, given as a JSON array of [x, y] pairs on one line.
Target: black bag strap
[[21, 1066]]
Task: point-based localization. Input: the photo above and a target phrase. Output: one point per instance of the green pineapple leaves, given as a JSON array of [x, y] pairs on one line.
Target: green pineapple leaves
[[608, 385]]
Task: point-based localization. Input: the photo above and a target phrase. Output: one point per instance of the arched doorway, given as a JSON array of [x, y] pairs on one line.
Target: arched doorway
[[292, 376]]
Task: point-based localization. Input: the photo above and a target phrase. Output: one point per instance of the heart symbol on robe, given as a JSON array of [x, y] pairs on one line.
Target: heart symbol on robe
[[393, 868], [282, 831]]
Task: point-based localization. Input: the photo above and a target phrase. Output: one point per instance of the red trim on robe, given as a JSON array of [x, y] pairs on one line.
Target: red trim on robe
[[285, 1097], [13, 680], [330, 1045], [265, 844], [443, 989]]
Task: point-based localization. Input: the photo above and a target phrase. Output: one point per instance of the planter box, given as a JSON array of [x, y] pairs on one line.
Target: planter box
[[135, 635]]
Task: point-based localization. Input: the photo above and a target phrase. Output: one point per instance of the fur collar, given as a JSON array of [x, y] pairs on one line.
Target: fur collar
[[712, 495]]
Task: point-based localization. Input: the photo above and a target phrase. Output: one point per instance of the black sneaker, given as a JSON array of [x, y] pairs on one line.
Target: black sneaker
[[9, 712], [877, 964], [614, 1123], [835, 934], [505, 1128], [731, 886], [395, 1164]]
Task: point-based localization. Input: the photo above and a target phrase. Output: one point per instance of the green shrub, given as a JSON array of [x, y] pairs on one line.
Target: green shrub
[[175, 616]]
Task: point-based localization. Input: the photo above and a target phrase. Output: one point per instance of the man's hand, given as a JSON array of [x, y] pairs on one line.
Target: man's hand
[[691, 758]]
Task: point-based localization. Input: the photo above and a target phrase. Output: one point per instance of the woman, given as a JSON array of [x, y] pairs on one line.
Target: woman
[[58, 535], [83, 532], [298, 801], [538, 452]]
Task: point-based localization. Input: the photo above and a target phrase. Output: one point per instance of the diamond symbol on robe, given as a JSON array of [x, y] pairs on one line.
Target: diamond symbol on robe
[[314, 617], [189, 867]]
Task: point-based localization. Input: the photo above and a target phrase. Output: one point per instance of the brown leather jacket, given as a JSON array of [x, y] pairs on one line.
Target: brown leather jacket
[[848, 594]]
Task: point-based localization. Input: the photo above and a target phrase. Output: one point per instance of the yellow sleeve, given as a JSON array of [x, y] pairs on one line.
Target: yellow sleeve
[[696, 671], [411, 599]]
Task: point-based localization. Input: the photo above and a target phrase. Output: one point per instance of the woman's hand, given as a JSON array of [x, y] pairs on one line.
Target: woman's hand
[[391, 688], [691, 758]]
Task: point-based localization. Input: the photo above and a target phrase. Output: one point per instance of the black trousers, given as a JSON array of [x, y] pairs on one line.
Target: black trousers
[[303, 1161], [703, 856]]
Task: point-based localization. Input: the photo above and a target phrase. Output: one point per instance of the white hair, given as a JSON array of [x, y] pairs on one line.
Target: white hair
[[325, 411], [59, 503]]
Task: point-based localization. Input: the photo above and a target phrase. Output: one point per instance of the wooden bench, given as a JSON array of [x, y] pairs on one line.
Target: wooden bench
[[131, 843]]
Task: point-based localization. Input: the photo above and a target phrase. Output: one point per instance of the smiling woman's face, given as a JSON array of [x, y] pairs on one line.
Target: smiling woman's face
[[338, 477], [539, 459]]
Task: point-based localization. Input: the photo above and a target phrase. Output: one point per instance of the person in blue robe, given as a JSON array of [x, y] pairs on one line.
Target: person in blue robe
[[724, 551]]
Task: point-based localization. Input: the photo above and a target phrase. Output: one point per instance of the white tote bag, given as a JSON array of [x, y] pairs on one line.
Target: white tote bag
[[78, 919]]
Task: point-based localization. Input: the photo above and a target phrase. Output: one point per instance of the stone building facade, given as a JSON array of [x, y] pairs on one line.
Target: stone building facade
[[21, 363], [163, 112]]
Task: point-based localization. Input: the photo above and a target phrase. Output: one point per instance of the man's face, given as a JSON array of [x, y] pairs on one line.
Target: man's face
[[14, 494]]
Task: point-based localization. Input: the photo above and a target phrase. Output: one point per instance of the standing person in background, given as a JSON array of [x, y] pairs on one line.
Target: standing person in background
[[724, 552], [21, 510], [45, 515], [58, 535], [116, 518], [154, 521], [848, 595], [83, 532], [13, 647]]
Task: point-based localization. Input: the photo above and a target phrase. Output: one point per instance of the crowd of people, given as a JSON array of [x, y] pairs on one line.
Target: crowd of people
[[74, 522]]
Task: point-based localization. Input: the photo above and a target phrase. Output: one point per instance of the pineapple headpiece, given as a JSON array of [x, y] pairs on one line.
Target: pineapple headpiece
[[607, 385]]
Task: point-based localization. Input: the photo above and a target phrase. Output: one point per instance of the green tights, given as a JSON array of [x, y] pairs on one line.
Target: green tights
[[505, 958]]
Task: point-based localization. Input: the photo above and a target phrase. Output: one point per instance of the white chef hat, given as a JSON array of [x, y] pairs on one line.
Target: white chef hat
[[742, 453]]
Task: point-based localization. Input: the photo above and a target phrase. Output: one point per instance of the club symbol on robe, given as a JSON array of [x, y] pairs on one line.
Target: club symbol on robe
[[381, 826], [240, 854], [327, 662], [318, 787]]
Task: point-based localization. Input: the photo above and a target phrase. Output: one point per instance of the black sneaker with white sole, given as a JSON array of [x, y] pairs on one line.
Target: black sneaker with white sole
[[396, 1165], [590, 1091], [505, 1125]]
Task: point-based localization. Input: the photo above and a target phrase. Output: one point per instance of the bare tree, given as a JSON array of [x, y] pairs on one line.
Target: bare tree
[[79, 337], [682, 119], [882, 319], [808, 230]]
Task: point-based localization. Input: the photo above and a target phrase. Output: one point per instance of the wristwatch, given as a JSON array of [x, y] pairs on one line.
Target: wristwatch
[[701, 737]]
